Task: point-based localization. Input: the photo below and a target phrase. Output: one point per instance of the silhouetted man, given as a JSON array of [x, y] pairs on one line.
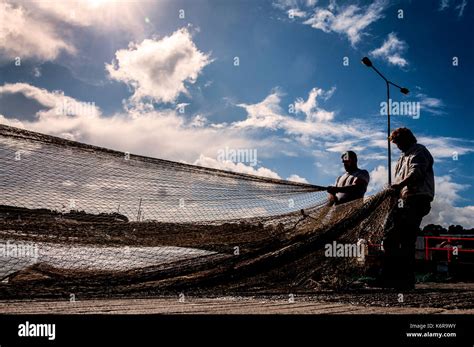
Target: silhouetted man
[[414, 185], [352, 184]]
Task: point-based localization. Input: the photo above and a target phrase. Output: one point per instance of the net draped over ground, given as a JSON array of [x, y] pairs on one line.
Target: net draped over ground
[[84, 219]]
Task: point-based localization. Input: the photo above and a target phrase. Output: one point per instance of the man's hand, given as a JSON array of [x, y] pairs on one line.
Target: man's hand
[[332, 190], [332, 200], [396, 186]]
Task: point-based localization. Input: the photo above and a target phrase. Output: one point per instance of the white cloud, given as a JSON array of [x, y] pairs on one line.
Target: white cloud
[[163, 134], [42, 30], [55, 103], [439, 147], [431, 102], [11, 122], [285, 4], [323, 129], [444, 210], [296, 178], [23, 35], [461, 8], [431, 105], [310, 107], [392, 50], [265, 114], [103, 14], [445, 147], [296, 13], [235, 167], [198, 121], [159, 69], [378, 179], [340, 147], [444, 4], [351, 20], [268, 114]]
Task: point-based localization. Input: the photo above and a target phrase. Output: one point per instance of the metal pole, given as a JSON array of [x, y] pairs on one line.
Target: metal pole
[[366, 61], [388, 137]]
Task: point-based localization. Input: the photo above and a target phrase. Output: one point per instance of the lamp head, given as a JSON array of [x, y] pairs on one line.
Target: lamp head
[[366, 61], [404, 91]]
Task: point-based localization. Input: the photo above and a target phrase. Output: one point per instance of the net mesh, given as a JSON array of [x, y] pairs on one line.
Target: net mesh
[[84, 219]]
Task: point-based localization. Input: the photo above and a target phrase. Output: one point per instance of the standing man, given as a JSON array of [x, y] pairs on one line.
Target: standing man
[[352, 184], [414, 186]]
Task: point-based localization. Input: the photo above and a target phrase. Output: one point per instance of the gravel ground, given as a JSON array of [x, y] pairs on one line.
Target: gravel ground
[[427, 298]]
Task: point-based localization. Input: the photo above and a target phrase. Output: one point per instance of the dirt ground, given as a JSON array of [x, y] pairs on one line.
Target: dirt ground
[[428, 298]]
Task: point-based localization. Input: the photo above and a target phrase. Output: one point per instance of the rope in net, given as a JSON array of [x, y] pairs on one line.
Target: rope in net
[[84, 219]]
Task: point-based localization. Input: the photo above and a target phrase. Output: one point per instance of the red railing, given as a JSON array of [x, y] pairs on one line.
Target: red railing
[[449, 250]]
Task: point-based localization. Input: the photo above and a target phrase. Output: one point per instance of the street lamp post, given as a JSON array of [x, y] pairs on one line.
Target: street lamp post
[[366, 61]]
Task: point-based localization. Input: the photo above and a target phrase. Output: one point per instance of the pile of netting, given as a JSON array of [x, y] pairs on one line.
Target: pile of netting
[[76, 218]]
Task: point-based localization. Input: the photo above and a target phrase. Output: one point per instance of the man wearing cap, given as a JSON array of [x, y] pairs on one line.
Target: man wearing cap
[[414, 186], [352, 184]]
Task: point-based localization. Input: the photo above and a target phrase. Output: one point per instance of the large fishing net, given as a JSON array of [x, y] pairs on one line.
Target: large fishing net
[[76, 218]]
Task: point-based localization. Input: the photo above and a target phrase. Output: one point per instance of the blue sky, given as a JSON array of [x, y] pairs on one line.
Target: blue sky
[[163, 80]]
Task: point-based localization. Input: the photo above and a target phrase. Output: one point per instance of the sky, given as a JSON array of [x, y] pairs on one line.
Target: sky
[[191, 80]]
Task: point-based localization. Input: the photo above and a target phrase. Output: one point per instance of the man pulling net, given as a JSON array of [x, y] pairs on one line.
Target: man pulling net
[[352, 184]]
